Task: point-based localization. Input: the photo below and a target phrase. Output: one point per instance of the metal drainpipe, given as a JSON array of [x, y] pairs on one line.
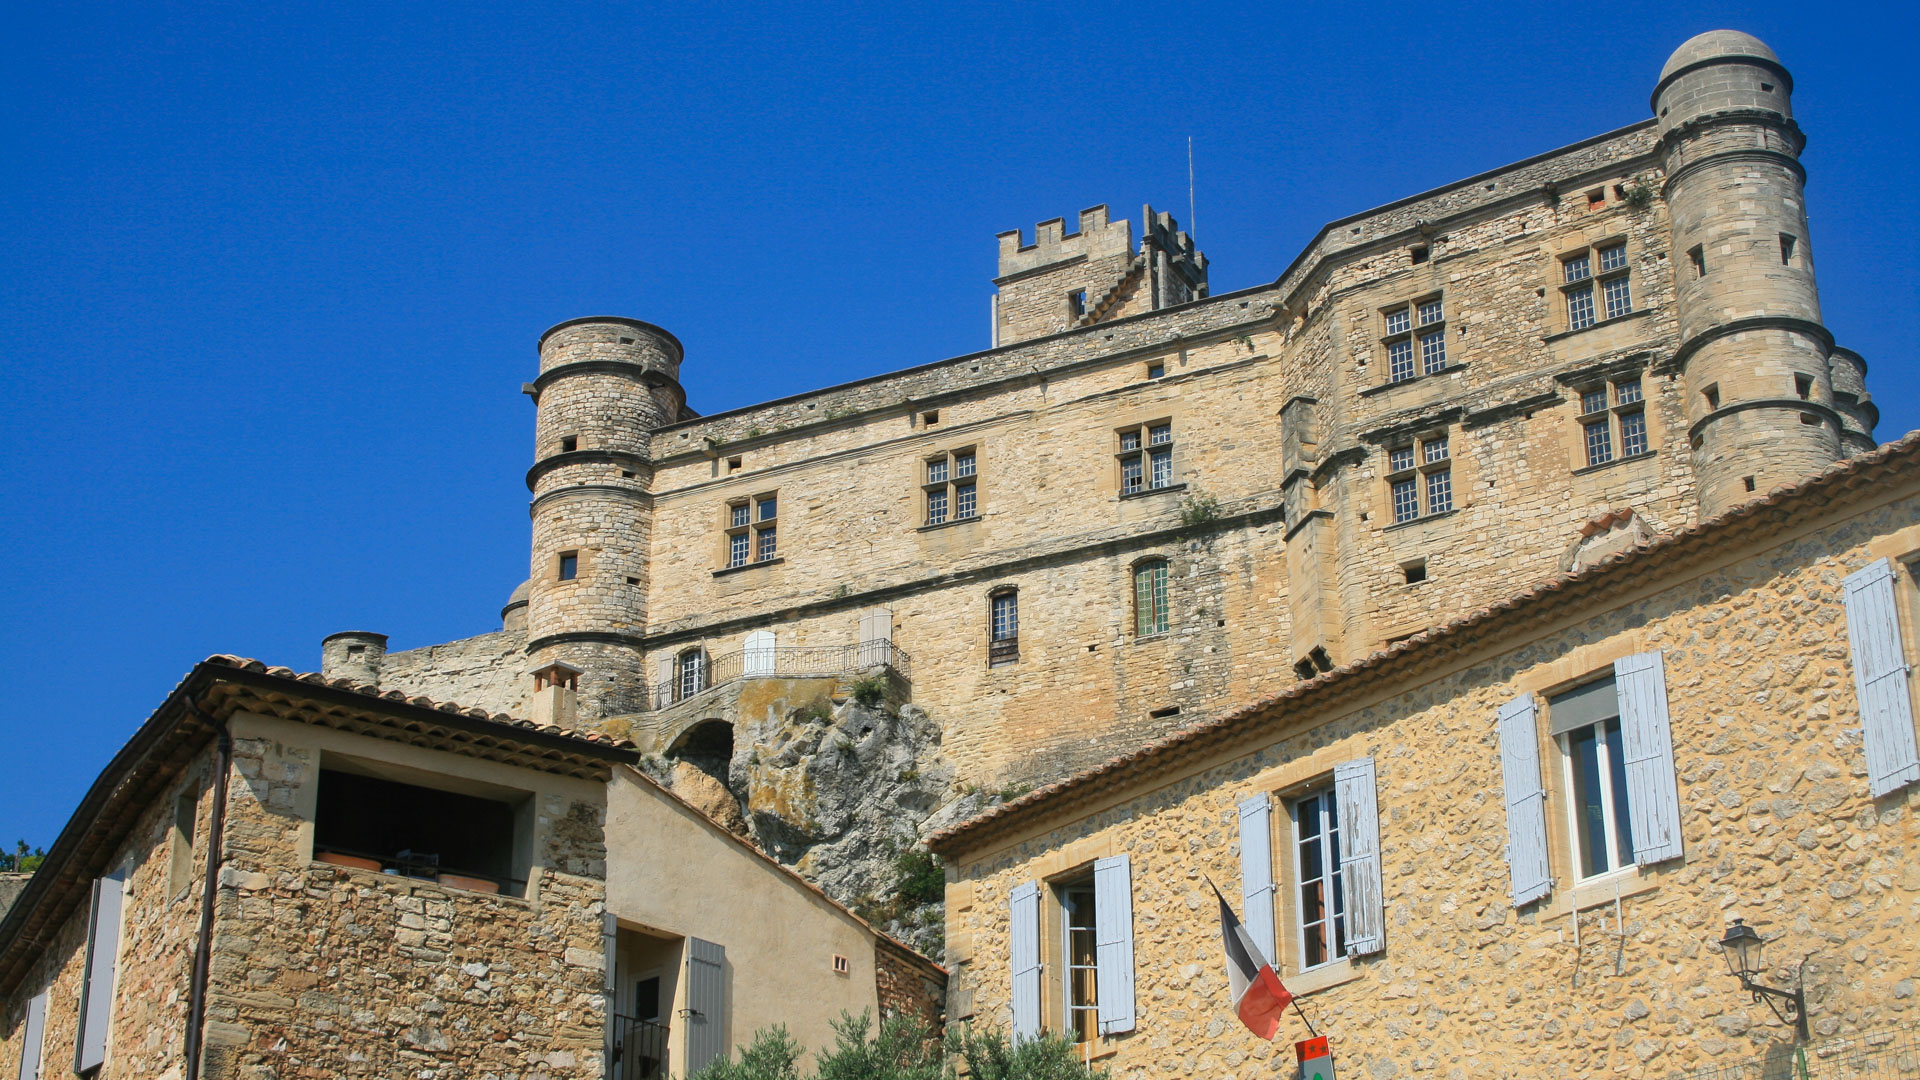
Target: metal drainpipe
[[216, 838]]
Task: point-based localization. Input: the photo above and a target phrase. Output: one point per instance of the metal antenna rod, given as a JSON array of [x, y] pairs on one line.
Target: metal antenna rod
[[1193, 225]]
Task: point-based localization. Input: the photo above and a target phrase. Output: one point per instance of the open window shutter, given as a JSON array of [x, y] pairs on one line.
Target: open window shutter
[[1880, 679], [1024, 946], [1526, 800], [1256, 871], [665, 686], [610, 981], [30, 1039], [1353, 792], [1646, 739], [759, 653], [1113, 942], [103, 952], [706, 1011]]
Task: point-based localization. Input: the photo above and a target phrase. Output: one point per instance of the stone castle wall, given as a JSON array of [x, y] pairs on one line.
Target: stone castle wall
[[1777, 826], [486, 670]]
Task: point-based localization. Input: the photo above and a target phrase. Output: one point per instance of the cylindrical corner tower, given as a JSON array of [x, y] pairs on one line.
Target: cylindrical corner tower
[[1752, 348], [605, 385], [353, 654]]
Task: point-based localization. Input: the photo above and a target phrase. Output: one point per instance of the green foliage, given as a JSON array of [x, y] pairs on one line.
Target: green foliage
[[921, 879], [818, 712], [1199, 508], [773, 1055], [993, 1057], [902, 1050], [22, 860], [1640, 194], [870, 691]]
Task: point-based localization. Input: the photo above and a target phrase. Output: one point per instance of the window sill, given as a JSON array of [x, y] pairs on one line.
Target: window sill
[[412, 884], [725, 570], [1324, 977], [1386, 386], [1144, 492], [1422, 519], [1598, 891], [949, 523], [1142, 639], [1615, 321], [1585, 469]]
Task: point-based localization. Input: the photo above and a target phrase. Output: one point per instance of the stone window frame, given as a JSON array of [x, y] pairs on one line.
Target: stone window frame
[[749, 533], [557, 565], [1430, 477], [1569, 827], [1284, 784], [1417, 333], [1595, 282], [1003, 649], [952, 489], [1615, 417], [1140, 447]]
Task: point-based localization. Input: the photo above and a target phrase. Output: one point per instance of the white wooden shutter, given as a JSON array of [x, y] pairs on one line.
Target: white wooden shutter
[[1353, 792], [31, 1038], [759, 655], [1526, 801], [1113, 942], [1880, 679], [1256, 871], [103, 954], [667, 686], [706, 1013], [1646, 740], [1024, 948], [876, 637]]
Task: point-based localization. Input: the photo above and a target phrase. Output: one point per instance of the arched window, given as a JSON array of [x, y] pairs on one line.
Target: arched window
[[1003, 627], [1150, 598], [691, 676]]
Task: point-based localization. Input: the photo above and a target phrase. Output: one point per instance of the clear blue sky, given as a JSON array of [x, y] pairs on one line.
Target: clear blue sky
[[271, 275]]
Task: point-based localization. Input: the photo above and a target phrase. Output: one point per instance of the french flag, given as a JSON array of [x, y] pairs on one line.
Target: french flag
[[1258, 997]]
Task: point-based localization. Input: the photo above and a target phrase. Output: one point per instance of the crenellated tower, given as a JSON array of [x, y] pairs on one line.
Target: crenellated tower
[[1764, 403], [605, 385]]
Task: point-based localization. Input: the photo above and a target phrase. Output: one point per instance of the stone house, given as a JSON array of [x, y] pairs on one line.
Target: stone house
[[1509, 845], [400, 887]]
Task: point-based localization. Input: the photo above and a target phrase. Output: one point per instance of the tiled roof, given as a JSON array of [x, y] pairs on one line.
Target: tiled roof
[[1653, 558]]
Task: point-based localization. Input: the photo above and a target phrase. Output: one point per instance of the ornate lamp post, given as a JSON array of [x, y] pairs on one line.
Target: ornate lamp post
[[1742, 948]]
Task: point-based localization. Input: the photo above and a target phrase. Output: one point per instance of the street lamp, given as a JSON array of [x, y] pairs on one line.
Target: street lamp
[[1742, 948]]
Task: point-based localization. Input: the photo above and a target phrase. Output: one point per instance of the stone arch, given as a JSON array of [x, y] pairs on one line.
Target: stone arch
[[707, 745]]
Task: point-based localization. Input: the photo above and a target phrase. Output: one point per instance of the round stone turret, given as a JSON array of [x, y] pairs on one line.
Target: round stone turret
[[605, 385], [1752, 348], [353, 654]]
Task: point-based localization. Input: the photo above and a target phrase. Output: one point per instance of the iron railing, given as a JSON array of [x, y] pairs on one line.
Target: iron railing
[[639, 1049], [818, 661], [1886, 1055]]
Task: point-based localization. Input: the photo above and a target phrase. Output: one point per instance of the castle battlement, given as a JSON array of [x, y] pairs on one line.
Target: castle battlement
[[1097, 237]]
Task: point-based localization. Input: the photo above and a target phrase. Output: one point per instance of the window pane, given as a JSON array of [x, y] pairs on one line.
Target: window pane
[[937, 471], [1129, 440], [1406, 501], [769, 508], [1162, 468], [1429, 312], [963, 501], [1440, 491], [1159, 433], [1593, 401], [737, 549], [1633, 433], [1589, 811], [1398, 322], [1617, 766], [1578, 268], [936, 507], [1580, 308], [739, 515], [1599, 443], [1436, 449], [1619, 297], [569, 567], [1613, 258], [1130, 475], [1400, 457], [1006, 616], [1433, 352], [693, 670], [1150, 599], [767, 544], [1626, 393], [963, 464], [1400, 360]]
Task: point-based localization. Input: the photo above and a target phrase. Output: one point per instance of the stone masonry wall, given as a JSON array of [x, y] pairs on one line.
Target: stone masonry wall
[[486, 670], [1777, 825], [907, 985]]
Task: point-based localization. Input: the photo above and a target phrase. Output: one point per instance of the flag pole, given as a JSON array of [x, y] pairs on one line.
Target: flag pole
[[1311, 1030]]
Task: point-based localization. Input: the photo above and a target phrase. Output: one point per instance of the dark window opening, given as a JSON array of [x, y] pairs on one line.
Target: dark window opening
[[1163, 713], [626, 474], [356, 650], [1766, 88], [626, 341], [1786, 249], [1747, 480], [930, 417], [459, 840], [734, 463], [1712, 394], [1415, 571], [1697, 255], [569, 565], [707, 746], [1077, 303], [646, 999], [1419, 254], [1303, 669], [1156, 370], [633, 581], [1803, 385], [1596, 197], [569, 444], [1809, 418]]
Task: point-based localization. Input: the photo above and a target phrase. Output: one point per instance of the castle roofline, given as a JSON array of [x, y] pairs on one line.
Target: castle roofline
[[1664, 557], [680, 351]]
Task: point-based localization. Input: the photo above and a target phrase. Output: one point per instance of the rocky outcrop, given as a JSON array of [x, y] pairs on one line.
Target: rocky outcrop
[[11, 886]]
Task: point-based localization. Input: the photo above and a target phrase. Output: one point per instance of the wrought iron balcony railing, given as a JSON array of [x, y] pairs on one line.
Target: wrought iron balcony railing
[[696, 677]]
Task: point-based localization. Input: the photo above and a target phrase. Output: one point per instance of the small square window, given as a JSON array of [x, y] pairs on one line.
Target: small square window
[[569, 444], [1399, 321], [734, 463], [1626, 393], [1419, 254], [569, 565], [1400, 458], [1613, 258], [930, 417], [769, 508], [1156, 370], [737, 514], [962, 465], [937, 471], [1435, 449], [1430, 312], [1159, 433], [1577, 268], [1593, 401], [1414, 572]]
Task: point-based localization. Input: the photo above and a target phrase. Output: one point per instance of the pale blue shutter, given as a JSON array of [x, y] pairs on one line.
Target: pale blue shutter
[[1353, 792], [103, 953], [1256, 871], [1526, 801], [1113, 942], [31, 1038], [1646, 739], [706, 1011], [1023, 945], [1880, 679]]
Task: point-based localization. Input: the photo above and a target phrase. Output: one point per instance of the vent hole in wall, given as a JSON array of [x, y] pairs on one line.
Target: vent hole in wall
[[1747, 480], [626, 341]]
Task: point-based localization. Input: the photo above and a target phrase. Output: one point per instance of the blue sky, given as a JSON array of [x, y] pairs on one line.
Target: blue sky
[[271, 276]]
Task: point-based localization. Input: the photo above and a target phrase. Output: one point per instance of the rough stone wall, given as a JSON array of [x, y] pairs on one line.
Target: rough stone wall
[[324, 970], [907, 986], [1035, 278], [11, 885], [1777, 825], [486, 670]]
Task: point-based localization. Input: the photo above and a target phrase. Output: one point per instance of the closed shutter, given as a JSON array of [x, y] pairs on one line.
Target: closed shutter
[[1024, 948], [1526, 801], [1880, 679], [103, 953], [1353, 792], [1646, 740], [1113, 940], [759, 654], [30, 1039], [1256, 871], [876, 637], [610, 980], [706, 1010]]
